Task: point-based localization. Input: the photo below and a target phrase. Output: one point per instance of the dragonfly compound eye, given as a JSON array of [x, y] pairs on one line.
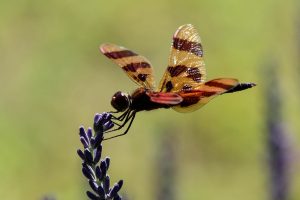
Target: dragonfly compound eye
[[120, 101]]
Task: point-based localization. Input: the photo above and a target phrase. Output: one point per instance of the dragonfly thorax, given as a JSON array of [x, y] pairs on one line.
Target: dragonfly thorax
[[120, 101]]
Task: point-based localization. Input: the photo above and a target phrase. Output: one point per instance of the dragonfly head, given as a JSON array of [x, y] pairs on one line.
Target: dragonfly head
[[120, 101]]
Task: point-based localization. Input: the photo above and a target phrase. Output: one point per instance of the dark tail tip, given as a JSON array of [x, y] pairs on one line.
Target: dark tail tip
[[240, 87]]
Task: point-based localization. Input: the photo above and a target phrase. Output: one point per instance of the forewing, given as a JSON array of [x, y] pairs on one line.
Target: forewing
[[186, 68], [137, 67], [198, 97]]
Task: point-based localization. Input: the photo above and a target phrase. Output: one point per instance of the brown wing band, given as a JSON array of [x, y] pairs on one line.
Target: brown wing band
[[185, 45], [133, 67], [120, 54], [176, 70]]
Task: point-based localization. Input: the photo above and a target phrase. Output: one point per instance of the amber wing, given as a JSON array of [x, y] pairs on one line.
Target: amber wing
[[198, 97], [185, 74], [137, 67], [186, 68]]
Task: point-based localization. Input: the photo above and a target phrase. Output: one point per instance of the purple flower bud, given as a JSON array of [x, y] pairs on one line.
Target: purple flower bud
[[108, 125], [89, 133], [97, 155], [101, 192], [87, 173], [89, 169], [84, 142], [88, 156], [102, 122], [81, 154], [99, 173], [106, 183], [103, 167], [97, 118], [94, 185], [98, 128], [98, 140], [82, 133], [117, 197], [91, 195], [120, 183], [92, 141], [107, 162], [115, 189], [107, 116], [84, 165]]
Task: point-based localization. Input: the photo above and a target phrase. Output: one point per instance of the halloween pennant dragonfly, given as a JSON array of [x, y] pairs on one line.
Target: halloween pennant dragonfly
[[182, 87]]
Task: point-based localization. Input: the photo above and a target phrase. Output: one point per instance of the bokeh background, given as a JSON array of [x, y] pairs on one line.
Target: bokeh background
[[53, 79]]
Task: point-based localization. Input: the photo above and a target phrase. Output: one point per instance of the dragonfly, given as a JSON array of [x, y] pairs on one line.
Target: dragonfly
[[183, 86]]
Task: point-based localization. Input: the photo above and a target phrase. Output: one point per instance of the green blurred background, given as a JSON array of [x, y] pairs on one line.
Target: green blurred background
[[53, 79]]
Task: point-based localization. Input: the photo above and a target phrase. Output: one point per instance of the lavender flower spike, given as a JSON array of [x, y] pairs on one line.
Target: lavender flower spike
[[93, 167]]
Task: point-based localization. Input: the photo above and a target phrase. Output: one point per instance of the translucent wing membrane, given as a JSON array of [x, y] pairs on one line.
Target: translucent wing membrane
[[186, 68], [182, 86], [198, 97], [137, 67]]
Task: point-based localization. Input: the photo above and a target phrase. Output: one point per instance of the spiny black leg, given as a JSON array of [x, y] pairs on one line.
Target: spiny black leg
[[127, 114], [115, 123], [132, 116], [127, 117], [120, 120], [121, 117], [114, 117]]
